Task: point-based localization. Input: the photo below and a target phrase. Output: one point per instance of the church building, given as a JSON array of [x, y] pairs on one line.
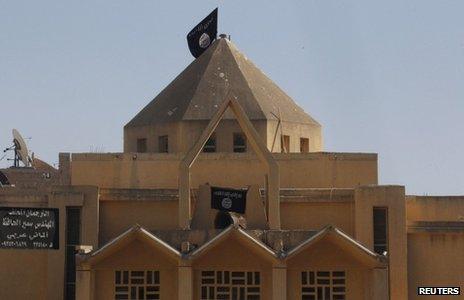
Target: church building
[[224, 191]]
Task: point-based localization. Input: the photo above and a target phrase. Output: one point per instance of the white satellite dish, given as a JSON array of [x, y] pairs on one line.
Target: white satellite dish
[[21, 152]]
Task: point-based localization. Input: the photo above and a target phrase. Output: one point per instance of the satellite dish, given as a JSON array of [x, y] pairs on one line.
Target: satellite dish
[[21, 152]]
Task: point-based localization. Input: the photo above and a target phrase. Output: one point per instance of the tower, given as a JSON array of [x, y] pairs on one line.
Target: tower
[[175, 118]]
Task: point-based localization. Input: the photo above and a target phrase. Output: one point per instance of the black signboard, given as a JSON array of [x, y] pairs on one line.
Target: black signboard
[[29, 228], [225, 199], [202, 35]]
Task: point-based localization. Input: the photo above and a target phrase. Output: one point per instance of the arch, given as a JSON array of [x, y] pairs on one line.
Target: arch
[[272, 177]]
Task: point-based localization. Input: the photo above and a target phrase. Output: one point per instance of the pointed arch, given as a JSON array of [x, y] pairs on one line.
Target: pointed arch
[[273, 177]]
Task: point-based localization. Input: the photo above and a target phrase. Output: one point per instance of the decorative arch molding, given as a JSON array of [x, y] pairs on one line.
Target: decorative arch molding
[[272, 169]]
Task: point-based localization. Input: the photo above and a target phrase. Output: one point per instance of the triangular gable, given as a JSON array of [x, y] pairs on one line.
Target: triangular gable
[[134, 233], [261, 150], [364, 254], [231, 232]]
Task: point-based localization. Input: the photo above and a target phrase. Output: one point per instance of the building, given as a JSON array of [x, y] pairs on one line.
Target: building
[[317, 225]]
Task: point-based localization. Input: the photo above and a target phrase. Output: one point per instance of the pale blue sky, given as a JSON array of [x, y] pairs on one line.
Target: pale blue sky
[[380, 76]]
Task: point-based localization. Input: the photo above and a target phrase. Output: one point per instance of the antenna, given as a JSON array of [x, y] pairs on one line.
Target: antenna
[[20, 150]]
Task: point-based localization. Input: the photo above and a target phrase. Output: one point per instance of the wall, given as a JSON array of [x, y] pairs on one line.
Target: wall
[[242, 255], [295, 131], [38, 178], [191, 131], [28, 265], [299, 170], [183, 135], [435, 208], [118, 216], [392, 197], [239, 257], [435, 242], [23, 274], [151, 133], [136, 256], [42, 271], [326, 256], [435, 259], [315, 208], [314, 216], [301, 209]]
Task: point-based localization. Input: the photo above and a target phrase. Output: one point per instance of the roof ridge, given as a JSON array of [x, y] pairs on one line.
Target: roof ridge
[[195, 63], [245, 78], [238, 54], [216, 44]]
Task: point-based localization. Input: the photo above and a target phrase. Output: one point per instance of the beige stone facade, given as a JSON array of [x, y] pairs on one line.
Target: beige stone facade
[[310, 230]]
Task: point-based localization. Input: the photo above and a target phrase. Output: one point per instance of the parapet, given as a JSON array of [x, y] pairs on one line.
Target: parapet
[[160, 170]]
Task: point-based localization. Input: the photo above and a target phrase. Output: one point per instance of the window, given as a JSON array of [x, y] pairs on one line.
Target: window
[[239, 142], [230, 285], [73, 237], [137, 285], [323, 285], [210, 145], [380, 229], [304, 145], [141, 145], [163, 144], [285, 144]]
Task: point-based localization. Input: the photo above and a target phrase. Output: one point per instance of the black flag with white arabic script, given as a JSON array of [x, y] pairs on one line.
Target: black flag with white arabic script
[[226, 199], [201, 37]]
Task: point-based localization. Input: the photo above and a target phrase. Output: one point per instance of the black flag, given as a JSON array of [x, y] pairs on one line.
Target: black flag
[[228, 199], [200, 37]]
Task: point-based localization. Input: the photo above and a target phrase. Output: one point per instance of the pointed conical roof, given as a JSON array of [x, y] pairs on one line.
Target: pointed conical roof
[[198, 91]]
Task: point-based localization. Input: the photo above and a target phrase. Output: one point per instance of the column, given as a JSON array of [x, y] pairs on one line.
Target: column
[[185, 282], [279, 283], [84, 285]]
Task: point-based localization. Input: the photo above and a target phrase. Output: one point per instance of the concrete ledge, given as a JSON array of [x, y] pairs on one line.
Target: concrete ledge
[[434, 198], [439, 226], [315, 195], [139, 195], [286, 195], [223, 155]]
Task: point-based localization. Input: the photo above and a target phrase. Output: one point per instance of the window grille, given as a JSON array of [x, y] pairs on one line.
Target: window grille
[[137, 285], [230, 285], [323, 285]]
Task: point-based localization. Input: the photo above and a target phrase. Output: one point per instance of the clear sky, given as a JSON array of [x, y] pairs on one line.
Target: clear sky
[[380, 76]]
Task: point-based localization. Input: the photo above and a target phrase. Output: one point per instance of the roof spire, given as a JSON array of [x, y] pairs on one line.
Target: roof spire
[[224, 36]]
